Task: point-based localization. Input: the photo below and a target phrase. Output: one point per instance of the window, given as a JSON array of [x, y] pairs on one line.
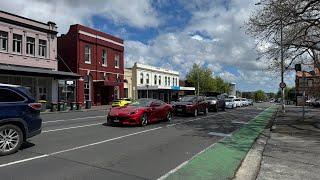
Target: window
[[3, 41], [30, 45], [17, 43], [42, 48], [87, 54], [104, 57], [160, 80], [117, 61], [155, 79], [141, 78], [169, 81], [10, 96], [148, 79], [165, 80]]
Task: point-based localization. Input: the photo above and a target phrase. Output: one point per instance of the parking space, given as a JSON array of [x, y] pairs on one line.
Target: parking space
[[81, 146]]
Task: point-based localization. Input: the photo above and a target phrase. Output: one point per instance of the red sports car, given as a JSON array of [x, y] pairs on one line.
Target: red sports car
[[140, 112]]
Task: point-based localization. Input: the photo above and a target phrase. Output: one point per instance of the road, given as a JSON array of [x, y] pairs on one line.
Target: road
[[80, 146]]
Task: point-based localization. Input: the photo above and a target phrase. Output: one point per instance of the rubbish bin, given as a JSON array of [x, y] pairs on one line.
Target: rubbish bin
[[78, 105], [73, 106], [88, 104], [60, 106], [43, 105], [53, 107], [65, 106]]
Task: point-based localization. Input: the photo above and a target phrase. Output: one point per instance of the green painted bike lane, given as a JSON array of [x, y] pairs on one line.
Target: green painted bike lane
[[222, 160]]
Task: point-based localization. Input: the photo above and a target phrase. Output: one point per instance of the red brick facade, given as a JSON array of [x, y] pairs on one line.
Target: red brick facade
[[104, 80]]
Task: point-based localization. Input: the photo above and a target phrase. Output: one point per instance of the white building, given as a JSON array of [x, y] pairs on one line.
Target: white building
[[154, 82]]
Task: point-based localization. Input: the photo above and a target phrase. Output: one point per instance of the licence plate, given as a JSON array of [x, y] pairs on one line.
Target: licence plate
[[180, 110], [116, 120]]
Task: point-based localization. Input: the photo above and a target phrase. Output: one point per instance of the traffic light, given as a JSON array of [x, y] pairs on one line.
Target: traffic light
[[297, 67]]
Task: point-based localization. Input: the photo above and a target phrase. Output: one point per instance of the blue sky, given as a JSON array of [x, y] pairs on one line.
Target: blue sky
[[169, 33]]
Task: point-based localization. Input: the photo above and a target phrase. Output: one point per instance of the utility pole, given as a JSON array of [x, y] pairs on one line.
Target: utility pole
[[282, 64]]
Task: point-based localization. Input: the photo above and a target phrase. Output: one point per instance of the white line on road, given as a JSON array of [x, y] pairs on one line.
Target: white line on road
[[75, 119], [197, 119], [79, 147], [74, 127]]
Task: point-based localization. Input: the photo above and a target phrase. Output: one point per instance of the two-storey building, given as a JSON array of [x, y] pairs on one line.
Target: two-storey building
[[154, 82], [98, 58], [28, 55]]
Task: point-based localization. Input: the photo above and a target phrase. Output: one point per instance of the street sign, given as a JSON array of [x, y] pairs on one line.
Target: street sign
[[282, 85]]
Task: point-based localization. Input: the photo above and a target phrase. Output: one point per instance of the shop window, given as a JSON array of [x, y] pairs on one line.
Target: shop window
[[104, 57], [117, 61], [87, 54], [42, 48], [30, 46], [3, 41], [17, 43]]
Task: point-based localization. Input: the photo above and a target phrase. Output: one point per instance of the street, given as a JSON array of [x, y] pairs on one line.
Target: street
[[79, 145]]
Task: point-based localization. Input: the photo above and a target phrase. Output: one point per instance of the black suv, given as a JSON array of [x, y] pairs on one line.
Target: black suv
[[19, 117]]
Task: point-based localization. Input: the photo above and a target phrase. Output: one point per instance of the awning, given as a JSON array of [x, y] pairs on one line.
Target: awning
[[31, 71]]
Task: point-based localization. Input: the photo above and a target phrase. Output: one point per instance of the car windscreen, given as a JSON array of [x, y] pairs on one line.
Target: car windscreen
[[228, 100], [141, 103], [188, 99]]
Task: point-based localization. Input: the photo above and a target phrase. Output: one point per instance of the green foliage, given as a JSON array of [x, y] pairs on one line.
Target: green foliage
[[289, 93], [207, 83], [259, 95]]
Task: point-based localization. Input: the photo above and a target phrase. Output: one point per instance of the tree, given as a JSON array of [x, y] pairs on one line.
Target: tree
[[259, 95], [207, 83], [299, 23]]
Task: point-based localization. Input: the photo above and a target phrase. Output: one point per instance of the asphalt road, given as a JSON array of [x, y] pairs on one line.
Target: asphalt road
[[79, 146]]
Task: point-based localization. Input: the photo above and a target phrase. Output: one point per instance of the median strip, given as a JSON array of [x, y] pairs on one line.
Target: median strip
[[223, 159]]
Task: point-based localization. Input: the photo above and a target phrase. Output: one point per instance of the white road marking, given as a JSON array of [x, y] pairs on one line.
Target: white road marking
[[75, 119], [239, 122], [219, 134], [197, 119], [74, 127], [75, 148]]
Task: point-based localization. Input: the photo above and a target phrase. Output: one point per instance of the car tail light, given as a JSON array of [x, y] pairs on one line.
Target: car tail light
[[35, 106]]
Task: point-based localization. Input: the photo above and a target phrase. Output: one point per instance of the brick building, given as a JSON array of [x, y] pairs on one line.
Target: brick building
[[98, 58], [310, 84]]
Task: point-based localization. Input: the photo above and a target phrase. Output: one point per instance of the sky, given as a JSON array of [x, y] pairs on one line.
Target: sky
[[172, 34]]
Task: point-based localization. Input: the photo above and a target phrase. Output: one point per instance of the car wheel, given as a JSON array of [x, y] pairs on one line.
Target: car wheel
[[206, 111], [11, 138], [144, 120], [195, 113], [169, 116]]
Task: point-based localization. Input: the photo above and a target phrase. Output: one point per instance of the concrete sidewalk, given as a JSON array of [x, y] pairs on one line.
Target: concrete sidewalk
[[291, 150]]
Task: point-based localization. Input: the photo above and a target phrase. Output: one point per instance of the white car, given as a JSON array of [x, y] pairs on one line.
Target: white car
[[238, 102], [230, 103], [244, 102]]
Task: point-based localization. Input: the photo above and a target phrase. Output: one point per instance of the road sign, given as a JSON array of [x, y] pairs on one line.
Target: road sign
[[282, 85]]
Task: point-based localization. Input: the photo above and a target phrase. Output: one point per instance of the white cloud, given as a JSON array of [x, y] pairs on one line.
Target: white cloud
[[139, 14]]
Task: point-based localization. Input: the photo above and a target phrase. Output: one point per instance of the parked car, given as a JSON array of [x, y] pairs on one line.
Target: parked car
[[140, 112], [316, 103], [19, 117], [121, 102], [230, 103], [238, 102], [250, 102], [192, 105], [216, 104]]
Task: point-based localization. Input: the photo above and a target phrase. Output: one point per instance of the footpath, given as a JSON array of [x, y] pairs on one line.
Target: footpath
[[290, 151], [222, 160]]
